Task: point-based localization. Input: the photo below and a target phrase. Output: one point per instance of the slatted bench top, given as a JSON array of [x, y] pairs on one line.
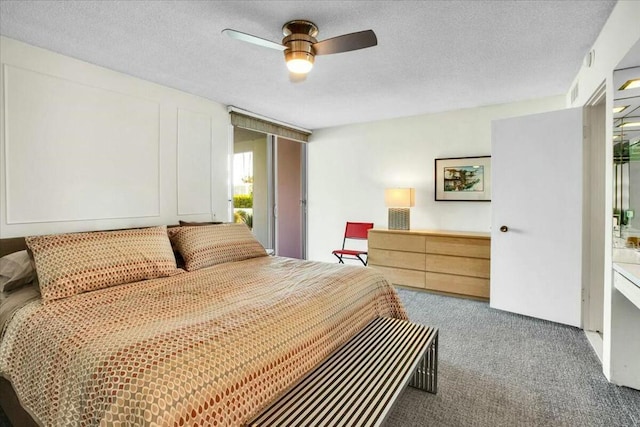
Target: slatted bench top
[[358, 384]]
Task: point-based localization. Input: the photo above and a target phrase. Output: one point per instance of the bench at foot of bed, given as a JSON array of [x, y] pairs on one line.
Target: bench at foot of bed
[[358, 384]]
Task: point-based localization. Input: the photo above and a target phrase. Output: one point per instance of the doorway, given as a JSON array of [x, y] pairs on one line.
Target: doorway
[[594, 253], [269, 190]]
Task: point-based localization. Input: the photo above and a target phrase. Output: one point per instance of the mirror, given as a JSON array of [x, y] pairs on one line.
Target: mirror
[[626, 155]]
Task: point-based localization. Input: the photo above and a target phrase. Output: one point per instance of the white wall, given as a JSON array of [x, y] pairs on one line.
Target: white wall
[[86, 148], [350, 166]]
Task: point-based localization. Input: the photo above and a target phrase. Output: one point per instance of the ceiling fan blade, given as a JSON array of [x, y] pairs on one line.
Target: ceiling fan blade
[[253, 39], [346, 43]]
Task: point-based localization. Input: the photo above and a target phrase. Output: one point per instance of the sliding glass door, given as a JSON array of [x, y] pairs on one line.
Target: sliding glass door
[[290, 198], [269, 190]]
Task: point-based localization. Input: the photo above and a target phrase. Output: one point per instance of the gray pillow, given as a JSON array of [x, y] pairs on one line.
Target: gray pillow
[[16, 270]]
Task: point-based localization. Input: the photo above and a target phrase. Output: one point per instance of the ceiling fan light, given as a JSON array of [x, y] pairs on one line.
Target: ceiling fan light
[[299, 62], [299, 66]]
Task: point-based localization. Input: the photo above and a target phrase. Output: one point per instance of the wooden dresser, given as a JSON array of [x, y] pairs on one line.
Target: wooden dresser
[[454, 262]]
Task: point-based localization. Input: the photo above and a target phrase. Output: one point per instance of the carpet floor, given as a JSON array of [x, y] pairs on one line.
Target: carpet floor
[[502, 369]]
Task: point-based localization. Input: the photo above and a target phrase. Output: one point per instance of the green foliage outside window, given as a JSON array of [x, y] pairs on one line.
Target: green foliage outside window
[[244, 216], [243, 201]]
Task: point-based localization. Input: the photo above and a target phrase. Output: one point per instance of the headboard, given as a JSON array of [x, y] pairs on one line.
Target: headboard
[[15, 244], [11, 245]]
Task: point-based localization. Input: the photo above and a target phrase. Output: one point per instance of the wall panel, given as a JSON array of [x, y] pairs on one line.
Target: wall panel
[[194, 162], [76, 152]]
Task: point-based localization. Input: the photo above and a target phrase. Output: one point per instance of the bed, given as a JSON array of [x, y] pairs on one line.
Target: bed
[[210, 342]]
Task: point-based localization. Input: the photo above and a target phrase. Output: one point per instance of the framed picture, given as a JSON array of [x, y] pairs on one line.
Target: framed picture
[[463, 179]]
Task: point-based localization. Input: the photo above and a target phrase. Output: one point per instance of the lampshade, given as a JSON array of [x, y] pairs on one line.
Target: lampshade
[[399, 197]]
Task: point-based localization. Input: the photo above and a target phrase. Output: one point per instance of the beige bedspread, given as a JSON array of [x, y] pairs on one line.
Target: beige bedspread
[[210, 347]]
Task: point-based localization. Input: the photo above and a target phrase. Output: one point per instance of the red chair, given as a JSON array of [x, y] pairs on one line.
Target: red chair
[[355, 231]]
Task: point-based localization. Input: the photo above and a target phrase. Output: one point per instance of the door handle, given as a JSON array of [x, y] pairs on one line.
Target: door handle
[[504, 228]]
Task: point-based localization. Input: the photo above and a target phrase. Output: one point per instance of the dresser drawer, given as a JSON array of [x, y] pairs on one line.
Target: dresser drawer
[[474, 267], [388, 258], [463, 285], [397, 242], [398, 276], [458, 246]]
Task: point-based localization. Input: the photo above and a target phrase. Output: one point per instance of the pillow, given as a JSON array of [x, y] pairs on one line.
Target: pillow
[[204, 246], [179, 260], [69, 264], [16, 270]]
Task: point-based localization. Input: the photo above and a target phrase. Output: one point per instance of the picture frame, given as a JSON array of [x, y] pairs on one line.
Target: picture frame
[[463, 179]]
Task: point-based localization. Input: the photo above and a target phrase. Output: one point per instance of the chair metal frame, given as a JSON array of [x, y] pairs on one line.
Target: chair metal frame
[[354, 231]]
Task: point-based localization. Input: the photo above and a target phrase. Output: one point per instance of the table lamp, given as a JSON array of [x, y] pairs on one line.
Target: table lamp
[[399, 200]]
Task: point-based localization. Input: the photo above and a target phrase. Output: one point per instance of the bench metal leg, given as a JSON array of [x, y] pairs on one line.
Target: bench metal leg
[[426, 375]]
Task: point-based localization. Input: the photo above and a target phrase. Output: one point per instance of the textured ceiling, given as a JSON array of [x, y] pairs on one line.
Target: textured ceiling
[[431, 55]]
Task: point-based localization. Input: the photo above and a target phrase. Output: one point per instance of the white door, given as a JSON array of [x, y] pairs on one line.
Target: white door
[[536, 225]]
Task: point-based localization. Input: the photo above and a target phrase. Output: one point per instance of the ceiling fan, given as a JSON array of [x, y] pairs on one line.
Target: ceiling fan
[[300, 45]]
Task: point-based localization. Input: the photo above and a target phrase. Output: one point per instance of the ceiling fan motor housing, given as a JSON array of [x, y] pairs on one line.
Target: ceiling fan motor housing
[[299, 39]]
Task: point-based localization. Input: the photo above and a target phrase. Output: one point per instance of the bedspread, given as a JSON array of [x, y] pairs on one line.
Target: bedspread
[[209, 347]]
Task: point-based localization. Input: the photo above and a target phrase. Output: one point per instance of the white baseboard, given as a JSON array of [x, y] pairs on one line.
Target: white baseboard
[[595, 339]]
